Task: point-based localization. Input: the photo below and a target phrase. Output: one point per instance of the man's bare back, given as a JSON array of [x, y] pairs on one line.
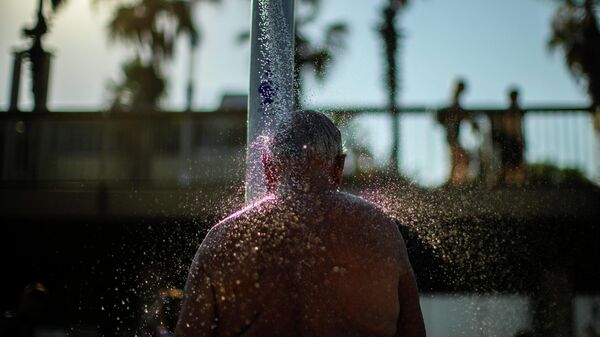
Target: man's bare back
[[307, 260], [325, 264]]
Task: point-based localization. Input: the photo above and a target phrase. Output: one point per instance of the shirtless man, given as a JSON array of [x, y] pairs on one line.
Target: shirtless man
[[307, 260], [451, 119]]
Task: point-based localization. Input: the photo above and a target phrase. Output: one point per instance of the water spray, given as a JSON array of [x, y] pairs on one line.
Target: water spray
[[270, 97]]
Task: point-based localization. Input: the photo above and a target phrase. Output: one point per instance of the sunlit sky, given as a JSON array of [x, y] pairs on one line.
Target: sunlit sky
[[492, 43]]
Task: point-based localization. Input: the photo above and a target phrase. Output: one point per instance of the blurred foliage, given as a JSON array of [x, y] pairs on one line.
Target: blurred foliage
[[315, 57], [151, 27], [547, 174], [575, 30], [55, 4], [142, 87]]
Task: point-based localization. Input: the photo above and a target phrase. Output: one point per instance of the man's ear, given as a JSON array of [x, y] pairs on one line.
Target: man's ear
[[270, 172], [338, 170]]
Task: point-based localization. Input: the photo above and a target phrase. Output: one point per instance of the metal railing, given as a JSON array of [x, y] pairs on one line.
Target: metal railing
[[158, 148], [564, 137], [208, 147]]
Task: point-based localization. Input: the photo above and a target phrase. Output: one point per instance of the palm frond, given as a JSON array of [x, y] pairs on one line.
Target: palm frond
[[141, 88], [307, 11], [575, 31], [243, 37], [335, 35], [320, 62], [153, 27], [56, 4]]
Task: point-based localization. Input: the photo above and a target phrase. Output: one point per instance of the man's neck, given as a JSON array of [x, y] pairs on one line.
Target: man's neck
[[297, 186]]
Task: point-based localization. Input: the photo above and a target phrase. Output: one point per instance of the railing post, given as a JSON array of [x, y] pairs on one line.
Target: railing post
[[186, 133], [596, 151], [16, 81]]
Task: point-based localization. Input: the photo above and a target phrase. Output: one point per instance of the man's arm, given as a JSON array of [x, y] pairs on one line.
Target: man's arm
[[197, 317], [410, 321]]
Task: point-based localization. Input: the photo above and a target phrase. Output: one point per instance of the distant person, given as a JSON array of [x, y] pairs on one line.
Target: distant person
[[507, 135], [451, 118], [307, 260]]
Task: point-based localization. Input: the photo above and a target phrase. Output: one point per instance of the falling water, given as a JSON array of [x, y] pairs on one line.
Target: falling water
[[271, 82]]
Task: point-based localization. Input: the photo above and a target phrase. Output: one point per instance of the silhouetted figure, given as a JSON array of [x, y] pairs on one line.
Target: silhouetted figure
[[451, 118], [307, 260], [507, 135]]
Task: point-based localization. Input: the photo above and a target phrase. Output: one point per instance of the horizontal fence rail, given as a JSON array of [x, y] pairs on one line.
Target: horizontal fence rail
[[559, 136], [168, 148]]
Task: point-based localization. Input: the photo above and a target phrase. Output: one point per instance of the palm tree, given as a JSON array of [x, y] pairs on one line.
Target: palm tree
[[141, 87], [152, 27], [54, 4], [390, 33], [575, 30]]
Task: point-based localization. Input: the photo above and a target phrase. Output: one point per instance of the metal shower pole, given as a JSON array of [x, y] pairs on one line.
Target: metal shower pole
[[263, 92]]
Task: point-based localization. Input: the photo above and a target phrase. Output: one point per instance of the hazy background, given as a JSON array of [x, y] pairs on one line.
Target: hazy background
[[493, 44]]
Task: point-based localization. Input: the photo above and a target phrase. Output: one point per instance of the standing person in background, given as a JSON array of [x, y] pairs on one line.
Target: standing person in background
[[450, 118], [507, 135]]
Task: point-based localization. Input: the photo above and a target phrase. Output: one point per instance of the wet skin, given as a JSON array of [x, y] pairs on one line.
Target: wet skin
[[302, 264]]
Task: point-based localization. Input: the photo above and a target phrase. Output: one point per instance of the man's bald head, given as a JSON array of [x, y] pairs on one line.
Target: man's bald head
[[308, 143]]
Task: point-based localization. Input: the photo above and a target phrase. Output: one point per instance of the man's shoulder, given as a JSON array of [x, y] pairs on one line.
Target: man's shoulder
[[356, 201], [353, 204], [238, 220], [365, 221], [245, 213]]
